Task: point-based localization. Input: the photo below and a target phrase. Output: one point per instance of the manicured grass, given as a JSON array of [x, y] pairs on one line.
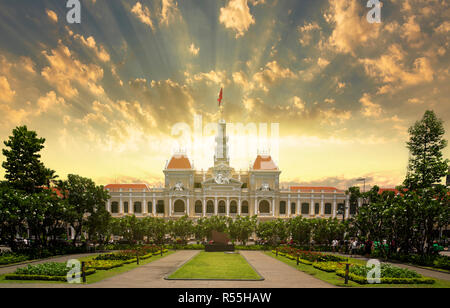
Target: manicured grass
[[99, 275], [216, 265], [332, 278]]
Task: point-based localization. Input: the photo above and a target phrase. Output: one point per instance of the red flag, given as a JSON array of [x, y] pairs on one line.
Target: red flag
[[220, 97]]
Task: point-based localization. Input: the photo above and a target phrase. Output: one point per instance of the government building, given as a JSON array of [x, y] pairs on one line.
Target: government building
[[222, 191]]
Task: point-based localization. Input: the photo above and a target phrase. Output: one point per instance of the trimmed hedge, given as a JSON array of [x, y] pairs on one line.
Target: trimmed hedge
[[103, 265], [387, 280], [327, 266], [43, 277]]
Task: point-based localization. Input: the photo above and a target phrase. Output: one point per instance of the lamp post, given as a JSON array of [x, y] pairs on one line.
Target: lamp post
[[362, 180]]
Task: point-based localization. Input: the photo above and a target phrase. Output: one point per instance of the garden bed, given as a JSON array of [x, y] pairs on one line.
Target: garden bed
[[357, 273]]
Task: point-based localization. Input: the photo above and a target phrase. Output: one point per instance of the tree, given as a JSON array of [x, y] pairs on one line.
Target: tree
[[426, 163], [98, 225], [23, 167], [301, 230], [83, 198], [12, 214], [181, 229]]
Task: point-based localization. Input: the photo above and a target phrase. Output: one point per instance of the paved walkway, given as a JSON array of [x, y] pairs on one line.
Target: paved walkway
[[276, 273], [12, 268]]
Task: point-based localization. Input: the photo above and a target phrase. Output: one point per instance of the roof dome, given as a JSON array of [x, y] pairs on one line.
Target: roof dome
[[179, 161], [264, 162]]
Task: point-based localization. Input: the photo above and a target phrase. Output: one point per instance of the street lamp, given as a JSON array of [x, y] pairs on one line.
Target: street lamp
[[361, 180]]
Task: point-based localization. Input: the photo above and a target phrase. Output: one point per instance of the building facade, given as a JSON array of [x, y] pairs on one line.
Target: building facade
[[223, 191]]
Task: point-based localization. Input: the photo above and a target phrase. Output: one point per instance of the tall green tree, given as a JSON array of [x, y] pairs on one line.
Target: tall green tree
[[23, 167], [83, 198], [426, 164]]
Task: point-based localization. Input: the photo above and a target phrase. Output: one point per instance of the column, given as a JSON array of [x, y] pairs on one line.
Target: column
[[289, 206], [239, 206], [216, 206], [188, 207], [322, 206], [312, 206], [154, 205], [297, 208], [256, 205], [170, 207], [204, 206], [121, 205], [334, 207], [108, 206], [347, 207], [130, 206], [273, 207], [228, 206], [144, 205]]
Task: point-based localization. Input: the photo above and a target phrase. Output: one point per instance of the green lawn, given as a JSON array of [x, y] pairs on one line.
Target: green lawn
[[216, 265], [99, 275], [332, 278]]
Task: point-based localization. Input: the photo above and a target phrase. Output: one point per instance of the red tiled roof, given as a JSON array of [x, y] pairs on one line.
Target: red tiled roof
[[179, 162], [315, 188], [388, 189], [126, 186], [264, 163]]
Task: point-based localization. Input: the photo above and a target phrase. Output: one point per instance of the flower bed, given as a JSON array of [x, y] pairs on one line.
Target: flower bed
[[103, 264], [389, 275], [311, 256], [328, 266], [50, 271], [387, 280], [10, 258]]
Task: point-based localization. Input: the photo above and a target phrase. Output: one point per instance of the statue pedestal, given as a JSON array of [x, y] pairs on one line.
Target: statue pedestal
[[219, 248]]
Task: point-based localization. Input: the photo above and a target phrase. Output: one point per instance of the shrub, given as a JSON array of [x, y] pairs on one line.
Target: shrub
[[10, 257], [103, 264], [43, 277], [45, 269], [387, 280], [387, 271], [328, 266]]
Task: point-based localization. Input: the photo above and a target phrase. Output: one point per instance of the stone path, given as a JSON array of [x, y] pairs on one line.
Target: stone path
[[276, 273]]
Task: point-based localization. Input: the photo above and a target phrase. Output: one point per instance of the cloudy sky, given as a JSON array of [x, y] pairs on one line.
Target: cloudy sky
[[107, 93]]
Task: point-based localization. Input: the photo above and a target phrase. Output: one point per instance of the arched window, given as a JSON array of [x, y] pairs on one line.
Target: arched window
[[327, 208], [282, 207], [149, 207], [233, 207], [160, 207], [198, 207], [138, 207], [264, 207], [115, 207], [222, 207], [341, 208], [293, 209], [305, 208], [353, 208], [317, 208], [210, 207], [179, 206], [125, 207], [244, 207]]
